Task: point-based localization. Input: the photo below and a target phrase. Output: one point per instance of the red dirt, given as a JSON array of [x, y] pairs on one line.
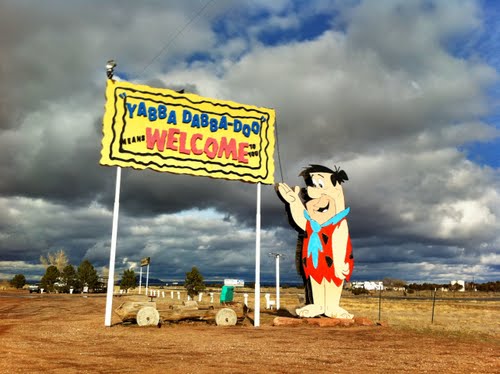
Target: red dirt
[[66, 334]]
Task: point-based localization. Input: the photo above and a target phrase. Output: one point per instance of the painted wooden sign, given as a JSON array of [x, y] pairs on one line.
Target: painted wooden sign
[[167, 131], [319, 213]]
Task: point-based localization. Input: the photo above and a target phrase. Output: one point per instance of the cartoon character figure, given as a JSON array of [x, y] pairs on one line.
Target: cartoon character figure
[[319, 212]]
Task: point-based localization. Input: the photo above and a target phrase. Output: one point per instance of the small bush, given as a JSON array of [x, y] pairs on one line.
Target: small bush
[[18, 281], [360, 291]]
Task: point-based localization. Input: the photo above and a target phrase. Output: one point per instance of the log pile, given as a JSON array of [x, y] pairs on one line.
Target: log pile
[[127, 311], [226, 315]]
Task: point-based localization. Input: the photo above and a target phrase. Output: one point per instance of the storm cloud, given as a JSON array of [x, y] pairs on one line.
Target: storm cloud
[[390, 91]]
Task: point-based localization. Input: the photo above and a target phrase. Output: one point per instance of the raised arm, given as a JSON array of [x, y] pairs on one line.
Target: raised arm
[[291, 197]]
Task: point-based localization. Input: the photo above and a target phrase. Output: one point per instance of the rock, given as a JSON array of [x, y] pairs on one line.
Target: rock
[[323, 322], [286, 321], [363, 321], [346, 322], [383, 323], [330, 322]]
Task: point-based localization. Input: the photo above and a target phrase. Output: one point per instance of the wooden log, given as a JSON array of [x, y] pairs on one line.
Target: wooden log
[[179, 314], [148, 316], [188, 307], [190, 304], [128, 310], [226, 317]]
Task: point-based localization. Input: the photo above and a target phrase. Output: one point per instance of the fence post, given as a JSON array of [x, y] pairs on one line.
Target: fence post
[[433, 304], [379, 302]]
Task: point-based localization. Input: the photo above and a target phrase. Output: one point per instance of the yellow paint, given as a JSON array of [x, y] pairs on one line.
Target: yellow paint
[[160, 129]]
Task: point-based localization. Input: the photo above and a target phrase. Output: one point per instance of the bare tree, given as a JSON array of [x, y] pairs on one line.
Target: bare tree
[[57, 259]]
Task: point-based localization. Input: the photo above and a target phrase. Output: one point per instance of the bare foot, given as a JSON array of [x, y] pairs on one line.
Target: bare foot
[[338, 313], [310, 311]]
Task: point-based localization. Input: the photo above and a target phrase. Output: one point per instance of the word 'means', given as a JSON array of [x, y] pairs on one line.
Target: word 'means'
[[203, 120]]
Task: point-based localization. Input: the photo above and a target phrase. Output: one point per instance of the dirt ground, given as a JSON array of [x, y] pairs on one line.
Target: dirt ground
[[66, 334]]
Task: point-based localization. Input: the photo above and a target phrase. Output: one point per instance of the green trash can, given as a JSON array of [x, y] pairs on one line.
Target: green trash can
[[226, 295]]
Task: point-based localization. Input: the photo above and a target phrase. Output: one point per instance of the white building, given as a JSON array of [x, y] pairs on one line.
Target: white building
[[234, 282], [460, 282], [369, 285]]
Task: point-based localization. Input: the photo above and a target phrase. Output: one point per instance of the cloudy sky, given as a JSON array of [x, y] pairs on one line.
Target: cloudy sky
[[403, 95]]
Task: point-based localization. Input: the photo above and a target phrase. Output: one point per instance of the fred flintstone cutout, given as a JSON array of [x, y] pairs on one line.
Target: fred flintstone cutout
[[319, 213]]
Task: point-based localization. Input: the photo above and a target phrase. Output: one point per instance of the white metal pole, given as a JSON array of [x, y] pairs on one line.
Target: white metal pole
[[147, 280], [140, 280], [277, 282], [257, 261], [112, 253]]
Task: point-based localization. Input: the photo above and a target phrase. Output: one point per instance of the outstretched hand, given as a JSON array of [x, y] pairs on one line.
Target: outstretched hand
[[288, 194]]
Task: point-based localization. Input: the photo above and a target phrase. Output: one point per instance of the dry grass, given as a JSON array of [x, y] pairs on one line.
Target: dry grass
[[460, 318], [470, 318], [5, 285], [65, 334], [474, 319]]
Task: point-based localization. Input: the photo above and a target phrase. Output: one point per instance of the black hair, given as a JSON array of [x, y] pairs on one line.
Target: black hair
[[337, 176]]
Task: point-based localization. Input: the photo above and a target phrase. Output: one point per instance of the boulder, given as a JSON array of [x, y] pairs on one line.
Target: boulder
[[323, 322], [286, 321], [346, 322], [363, 321]]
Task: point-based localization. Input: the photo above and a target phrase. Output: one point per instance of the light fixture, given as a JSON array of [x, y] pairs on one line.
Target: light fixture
[[110, 66]]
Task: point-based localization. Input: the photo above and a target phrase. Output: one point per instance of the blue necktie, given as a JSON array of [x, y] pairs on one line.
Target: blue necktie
[[314, 247]]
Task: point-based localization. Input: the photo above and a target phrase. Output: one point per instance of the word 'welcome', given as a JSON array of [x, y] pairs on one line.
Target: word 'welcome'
[[177, 141]]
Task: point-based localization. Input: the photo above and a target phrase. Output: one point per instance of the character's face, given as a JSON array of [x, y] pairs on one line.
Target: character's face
[[324, 197]]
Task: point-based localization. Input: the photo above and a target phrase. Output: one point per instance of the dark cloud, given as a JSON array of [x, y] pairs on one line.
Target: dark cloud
[[382, 95]]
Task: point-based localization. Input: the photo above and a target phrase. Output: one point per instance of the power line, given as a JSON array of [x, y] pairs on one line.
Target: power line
[[278, 149], [171, 40]]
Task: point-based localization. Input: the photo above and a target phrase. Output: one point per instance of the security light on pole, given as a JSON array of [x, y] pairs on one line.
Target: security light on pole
[[110, 67]]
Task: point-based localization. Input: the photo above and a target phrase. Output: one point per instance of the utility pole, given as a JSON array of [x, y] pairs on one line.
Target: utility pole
[[277, 256]]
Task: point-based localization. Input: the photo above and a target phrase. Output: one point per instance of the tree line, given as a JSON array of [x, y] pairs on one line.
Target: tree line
[[64, 280], [61, 276], [69, 278], [194, 283], [469, 286]]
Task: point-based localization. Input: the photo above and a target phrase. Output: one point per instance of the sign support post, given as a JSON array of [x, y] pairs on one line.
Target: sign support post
[[140, 280], [112, 254], [144, 262], [147, 279], [256, 319]]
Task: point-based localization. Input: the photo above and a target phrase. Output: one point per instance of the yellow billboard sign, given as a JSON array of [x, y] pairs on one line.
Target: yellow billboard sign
[[167, 131], [145, 261]]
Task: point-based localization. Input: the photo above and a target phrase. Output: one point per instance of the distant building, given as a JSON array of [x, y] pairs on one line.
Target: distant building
[[460, 283], [234, 282], [369, 285]]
